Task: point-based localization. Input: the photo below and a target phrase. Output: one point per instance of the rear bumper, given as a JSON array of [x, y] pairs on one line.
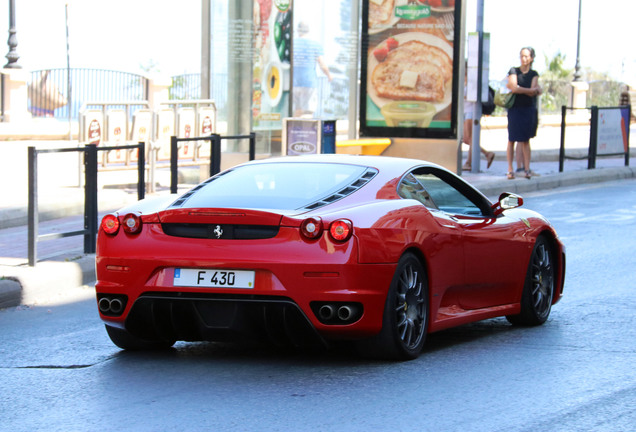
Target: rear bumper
[[286, 295], [293, 277], [196, 317]]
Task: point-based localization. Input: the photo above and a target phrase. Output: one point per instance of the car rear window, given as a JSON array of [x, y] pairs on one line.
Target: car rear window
[[280, 186]]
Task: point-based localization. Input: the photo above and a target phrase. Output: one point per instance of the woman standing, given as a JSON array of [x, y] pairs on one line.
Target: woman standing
[[523, 117]]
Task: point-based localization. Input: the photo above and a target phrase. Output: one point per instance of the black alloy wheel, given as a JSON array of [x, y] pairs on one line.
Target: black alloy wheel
[[405, 321], [538, 291]]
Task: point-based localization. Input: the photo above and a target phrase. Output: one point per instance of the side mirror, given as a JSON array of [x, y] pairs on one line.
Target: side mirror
[[507, 201]]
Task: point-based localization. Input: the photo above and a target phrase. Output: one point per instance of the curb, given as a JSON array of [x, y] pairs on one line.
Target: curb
[[10, 293], [47, 281], [495, 186]]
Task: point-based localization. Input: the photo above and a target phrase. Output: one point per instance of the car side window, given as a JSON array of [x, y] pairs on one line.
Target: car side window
[[440, 190], [411, 188]]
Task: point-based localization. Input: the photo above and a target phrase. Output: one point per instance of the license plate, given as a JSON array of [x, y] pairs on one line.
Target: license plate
[[214, 278]]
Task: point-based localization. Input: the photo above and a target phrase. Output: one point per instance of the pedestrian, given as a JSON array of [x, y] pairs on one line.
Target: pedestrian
[[523, 117], [469, 109], [307, 54], [624, 99]]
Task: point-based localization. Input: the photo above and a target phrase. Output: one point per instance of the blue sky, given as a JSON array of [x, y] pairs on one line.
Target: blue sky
[[125, 34]]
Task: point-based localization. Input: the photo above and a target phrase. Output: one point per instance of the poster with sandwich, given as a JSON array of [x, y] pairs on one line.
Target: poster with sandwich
[[409, 64]]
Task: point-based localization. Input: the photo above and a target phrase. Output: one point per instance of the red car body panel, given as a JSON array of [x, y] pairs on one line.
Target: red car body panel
[[476, 266]]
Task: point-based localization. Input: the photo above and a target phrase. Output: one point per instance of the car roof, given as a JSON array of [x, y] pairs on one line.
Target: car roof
[[380, 162]]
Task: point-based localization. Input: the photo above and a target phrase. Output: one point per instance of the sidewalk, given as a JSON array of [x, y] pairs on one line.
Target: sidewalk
[[63, 266]]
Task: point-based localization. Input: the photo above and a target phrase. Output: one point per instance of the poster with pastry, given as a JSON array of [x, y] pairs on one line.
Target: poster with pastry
[[408, 63]]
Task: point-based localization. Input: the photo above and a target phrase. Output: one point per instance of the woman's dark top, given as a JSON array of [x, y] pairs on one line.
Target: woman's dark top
[[524, 80]]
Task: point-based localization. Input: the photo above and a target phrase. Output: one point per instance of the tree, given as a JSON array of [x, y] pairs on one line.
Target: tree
[[555, 69], [555, 81]]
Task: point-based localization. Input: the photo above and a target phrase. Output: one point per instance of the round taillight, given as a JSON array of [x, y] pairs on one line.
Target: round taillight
[[311, 228], [110, 224], [340, 230], [132, 223]]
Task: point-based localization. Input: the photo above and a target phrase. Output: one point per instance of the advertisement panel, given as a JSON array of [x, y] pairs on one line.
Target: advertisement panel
[[165, 130], [613, 131], [301, 136], [271, 67], [116, 134], [141, 130], [92, 130], [409, 82]]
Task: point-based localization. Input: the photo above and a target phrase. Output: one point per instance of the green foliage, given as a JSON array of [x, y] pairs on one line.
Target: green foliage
[[556, 93], [604, 93], [555, 68], [177, 89], [186, 86]]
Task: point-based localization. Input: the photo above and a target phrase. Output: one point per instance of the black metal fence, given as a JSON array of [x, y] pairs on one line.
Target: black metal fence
[[90, 195], [593, 148], [56, 93]]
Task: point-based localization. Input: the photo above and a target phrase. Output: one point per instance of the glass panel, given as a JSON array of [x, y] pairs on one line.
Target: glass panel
[[323, 29], [411, 188], [265, 100], [446, 197]]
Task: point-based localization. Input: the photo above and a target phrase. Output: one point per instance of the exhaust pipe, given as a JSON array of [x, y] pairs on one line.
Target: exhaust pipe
[[111, 306], [104, 305], [326, 312], [345, 313], [116, 306]]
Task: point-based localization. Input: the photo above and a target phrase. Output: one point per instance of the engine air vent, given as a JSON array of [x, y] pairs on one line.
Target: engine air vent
[[348, 190]]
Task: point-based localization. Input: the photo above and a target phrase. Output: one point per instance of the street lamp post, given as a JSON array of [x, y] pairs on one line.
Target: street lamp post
[[12, 55], [577, 67]]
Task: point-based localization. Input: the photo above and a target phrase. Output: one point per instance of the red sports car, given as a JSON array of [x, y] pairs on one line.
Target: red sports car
[[372, 249]]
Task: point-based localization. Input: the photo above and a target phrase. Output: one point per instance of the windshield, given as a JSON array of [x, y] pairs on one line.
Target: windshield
[[280, 186]]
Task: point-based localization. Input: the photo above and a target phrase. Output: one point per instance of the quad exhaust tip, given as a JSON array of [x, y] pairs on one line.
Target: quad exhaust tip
[[337, 313], [112, 305], [326, 312]]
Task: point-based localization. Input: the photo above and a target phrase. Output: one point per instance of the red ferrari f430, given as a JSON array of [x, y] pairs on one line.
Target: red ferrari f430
[[372, 249]]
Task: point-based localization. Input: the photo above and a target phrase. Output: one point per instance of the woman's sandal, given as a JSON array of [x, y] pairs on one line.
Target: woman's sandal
[[528, 174], [510, 175], [490, 157]]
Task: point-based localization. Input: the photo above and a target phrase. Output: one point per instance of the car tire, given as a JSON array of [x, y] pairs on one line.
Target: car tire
[[405, 318], [128, 341], [538, 289]]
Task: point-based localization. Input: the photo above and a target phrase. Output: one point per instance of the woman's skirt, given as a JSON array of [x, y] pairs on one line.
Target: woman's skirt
[[522, 123]]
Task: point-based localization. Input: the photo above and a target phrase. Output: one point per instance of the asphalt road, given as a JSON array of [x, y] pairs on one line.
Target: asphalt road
[[59, 371]]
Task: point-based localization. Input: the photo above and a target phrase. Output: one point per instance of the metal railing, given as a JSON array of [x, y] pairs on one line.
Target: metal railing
[[130, 107], [593, 152], [60, 93], [90, 195], [186, 86]]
